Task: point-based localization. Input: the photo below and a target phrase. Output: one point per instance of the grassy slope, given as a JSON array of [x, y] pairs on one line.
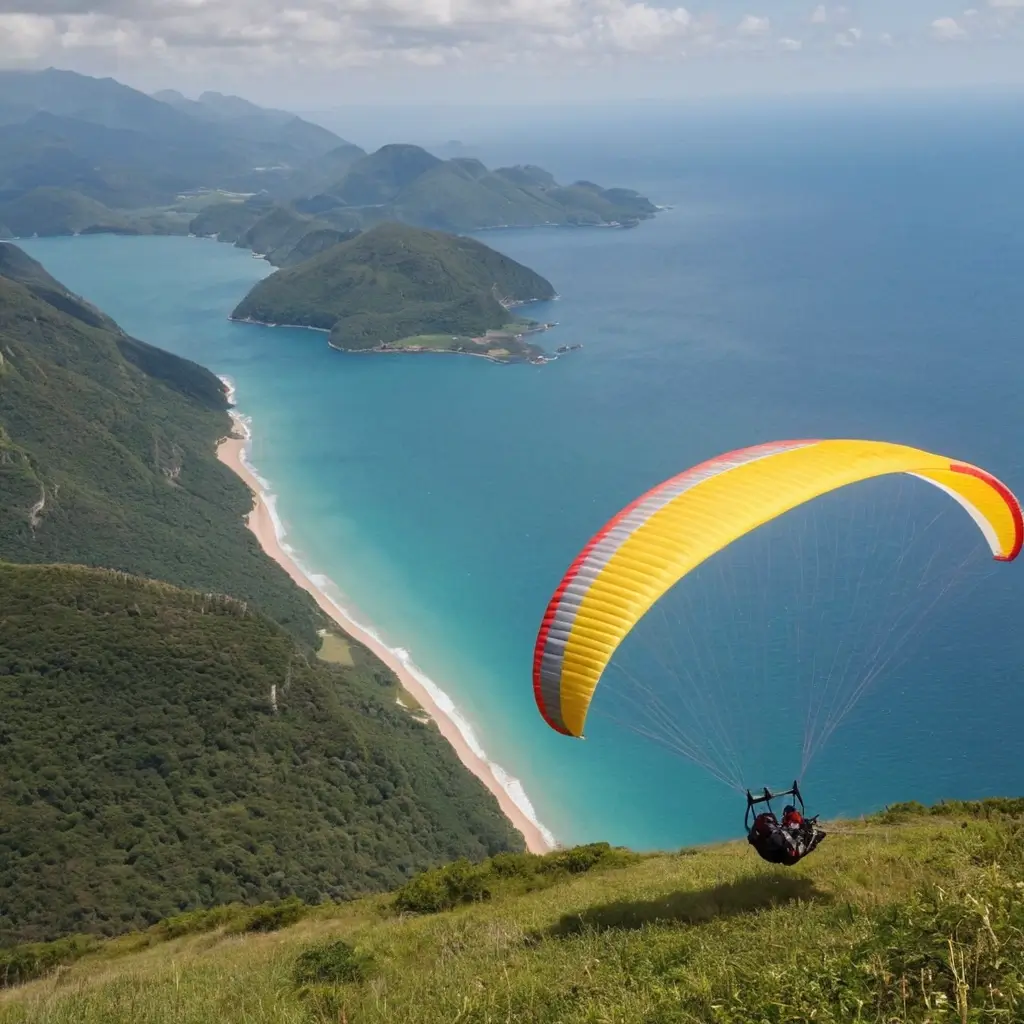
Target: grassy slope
[[392, 282], [908, 918]]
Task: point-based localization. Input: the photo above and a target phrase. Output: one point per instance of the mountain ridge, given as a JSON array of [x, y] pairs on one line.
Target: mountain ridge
[[82, 154]]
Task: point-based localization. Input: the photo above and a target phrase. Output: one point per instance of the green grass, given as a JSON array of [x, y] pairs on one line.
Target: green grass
[[435, 342], [335, 650], [913, 918], [495, 344]]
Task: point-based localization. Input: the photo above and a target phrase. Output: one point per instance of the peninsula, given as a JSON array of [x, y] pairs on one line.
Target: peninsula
[[396, 288]]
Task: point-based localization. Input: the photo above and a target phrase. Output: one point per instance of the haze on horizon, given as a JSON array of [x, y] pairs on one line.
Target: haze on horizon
[[319, 55]]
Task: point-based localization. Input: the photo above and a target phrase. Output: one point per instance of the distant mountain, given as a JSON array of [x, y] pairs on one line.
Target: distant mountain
[[126, 149], [321, 171], [58, 211], [259, 124], [163, 748], [406, 183], [394, 282], [154, 162], [381, 177], [101, 101]]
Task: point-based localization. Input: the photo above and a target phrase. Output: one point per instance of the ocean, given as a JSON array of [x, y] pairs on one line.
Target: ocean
[[827, 269]]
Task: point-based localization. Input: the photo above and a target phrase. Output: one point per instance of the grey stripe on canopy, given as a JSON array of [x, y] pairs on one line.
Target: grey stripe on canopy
[[572, 597]]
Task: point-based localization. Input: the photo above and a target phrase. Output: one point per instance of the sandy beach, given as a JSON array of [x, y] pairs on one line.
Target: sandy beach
[[261, 522]]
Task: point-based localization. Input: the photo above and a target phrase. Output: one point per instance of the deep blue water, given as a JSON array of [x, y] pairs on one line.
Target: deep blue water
[[838, 270]]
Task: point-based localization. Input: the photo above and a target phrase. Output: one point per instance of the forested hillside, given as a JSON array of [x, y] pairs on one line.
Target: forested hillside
[[165, 749], [109, 454], [395, 281]]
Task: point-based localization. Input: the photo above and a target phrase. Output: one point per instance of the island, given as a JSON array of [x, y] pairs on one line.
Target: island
[[398, 288]]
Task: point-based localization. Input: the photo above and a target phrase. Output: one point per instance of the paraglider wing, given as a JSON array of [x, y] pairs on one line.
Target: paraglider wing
[[652, 543]]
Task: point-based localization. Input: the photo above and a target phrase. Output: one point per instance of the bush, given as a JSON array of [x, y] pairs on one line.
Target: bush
[[580, 858], [991, 808], [194, 922], [514, 865], [19, 964], [443, 888], [329, 963], [269, 917]]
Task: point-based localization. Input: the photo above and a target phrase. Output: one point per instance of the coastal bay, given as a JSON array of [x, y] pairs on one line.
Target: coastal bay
[[265, 526]]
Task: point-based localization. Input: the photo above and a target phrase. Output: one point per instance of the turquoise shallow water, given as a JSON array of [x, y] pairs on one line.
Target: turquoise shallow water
[[826, 272]]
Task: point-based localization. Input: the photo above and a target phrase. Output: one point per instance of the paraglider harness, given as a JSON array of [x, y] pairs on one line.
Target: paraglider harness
[[784, 843]]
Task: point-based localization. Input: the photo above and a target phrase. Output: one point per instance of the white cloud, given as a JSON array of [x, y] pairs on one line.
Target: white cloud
[[25, 36], [637, 26], [166, 37], [947, 29], [337, 33], [752, 25]]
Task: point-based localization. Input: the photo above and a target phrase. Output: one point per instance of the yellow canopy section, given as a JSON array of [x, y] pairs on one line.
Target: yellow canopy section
[[649, 546]]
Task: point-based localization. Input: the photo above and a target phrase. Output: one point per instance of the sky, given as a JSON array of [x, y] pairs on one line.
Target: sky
[[321, 54]]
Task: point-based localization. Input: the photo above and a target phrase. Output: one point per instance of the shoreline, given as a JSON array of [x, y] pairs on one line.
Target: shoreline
[[263, 522], [537, 360]]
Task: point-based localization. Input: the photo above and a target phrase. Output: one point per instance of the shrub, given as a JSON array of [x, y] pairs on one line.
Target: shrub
[[329, 963], [443, 888], [194, 922], [990, 808], [269, 917], [514, 865], [578, 859], [19, 964]]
